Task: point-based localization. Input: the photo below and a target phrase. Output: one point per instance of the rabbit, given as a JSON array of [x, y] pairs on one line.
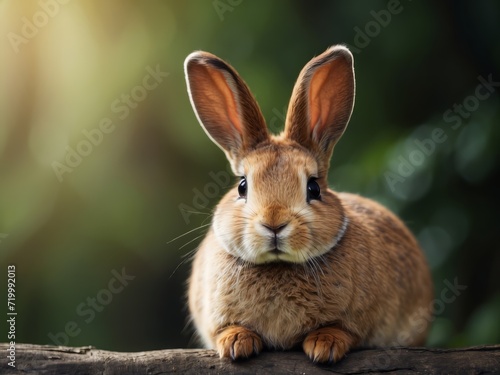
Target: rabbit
[[287, 262]]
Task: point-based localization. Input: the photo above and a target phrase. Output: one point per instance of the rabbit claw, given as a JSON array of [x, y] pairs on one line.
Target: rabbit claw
[[238, 342]]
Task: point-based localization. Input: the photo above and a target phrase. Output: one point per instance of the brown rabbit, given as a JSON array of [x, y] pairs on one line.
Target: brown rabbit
[[288, 261]]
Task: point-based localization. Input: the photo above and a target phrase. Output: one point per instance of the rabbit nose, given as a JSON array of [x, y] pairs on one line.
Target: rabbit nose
[[276, 229]]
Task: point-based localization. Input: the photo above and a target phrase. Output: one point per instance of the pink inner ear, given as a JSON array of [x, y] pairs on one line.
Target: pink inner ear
[[230, 102], [323, 95], [216, 102], [319, 98]]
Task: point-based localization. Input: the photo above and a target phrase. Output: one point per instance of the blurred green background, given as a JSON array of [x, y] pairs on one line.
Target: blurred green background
[[66, 67]]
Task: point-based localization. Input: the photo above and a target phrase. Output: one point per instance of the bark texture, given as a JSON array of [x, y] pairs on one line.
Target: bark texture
[[44, 359]]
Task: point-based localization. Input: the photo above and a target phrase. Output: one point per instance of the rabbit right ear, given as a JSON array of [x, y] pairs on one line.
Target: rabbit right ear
[[224, 105], [322, 102]]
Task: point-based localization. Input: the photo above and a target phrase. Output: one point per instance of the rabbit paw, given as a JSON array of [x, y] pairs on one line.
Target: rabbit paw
[[327, 344], [237, 342]]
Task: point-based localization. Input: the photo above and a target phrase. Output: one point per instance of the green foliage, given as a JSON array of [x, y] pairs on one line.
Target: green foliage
[[119, 205]]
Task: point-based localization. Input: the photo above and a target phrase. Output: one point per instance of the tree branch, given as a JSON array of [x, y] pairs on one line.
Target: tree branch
[[44, 359]]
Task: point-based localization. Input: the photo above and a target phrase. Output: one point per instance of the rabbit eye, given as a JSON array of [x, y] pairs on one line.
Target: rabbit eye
[[313, 190], [242, 188]]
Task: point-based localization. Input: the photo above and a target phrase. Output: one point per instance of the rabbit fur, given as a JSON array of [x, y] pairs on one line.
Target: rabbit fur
[[281, 265]]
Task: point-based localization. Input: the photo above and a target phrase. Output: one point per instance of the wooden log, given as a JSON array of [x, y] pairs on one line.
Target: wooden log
[[45, 359]]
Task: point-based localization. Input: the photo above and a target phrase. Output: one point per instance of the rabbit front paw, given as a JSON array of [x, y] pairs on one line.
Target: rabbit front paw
[[327, 344], [238, 342]]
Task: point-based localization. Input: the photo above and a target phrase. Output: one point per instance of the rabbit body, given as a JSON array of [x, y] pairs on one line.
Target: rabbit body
[[372, 292], [288, 261]]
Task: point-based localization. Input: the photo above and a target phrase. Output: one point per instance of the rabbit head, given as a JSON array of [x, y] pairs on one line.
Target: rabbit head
[[281, 209]]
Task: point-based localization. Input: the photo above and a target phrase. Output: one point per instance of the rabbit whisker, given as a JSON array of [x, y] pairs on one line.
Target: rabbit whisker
[[188, 232]]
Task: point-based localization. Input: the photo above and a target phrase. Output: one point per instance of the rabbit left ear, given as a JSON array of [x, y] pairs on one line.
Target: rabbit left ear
[[224, 105], [322, 102]]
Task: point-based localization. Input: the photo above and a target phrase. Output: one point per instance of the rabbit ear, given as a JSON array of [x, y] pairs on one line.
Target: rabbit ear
[[322, 102], [224, 105]]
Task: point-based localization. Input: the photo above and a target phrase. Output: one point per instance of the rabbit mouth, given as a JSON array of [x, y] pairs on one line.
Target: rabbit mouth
[[276, 251]]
